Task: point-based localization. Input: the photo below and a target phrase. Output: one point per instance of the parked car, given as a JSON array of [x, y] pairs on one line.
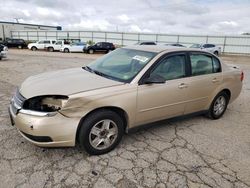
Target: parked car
[[15, 43], [176, 44], [40, 45], [146, 43], [3, 51], [208, 47], [75, 47], [57, 45], [99, 47], [94, 105]]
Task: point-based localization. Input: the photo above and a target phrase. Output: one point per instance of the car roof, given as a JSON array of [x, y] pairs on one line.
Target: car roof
[[160, 48]]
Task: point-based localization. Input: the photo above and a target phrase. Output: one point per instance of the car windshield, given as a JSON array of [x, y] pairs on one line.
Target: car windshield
[[121, 65]]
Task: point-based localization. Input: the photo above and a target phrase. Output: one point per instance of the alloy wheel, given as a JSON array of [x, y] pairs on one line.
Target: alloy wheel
[[103, 134], [219, 105]]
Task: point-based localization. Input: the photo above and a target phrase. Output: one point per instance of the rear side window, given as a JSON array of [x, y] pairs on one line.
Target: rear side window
[[46, 42], [201, 64]]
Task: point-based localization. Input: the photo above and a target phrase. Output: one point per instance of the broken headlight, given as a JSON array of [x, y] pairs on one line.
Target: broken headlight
[[50, 103]]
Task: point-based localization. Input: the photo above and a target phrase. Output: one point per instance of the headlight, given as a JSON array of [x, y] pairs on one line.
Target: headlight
[[50, 103]]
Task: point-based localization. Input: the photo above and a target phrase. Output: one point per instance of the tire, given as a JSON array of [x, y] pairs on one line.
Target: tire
[[108, 51], [218, 106], [33, 48], [0, 58], [19, 47], [90, 51], [93, 134], [216, 53], [50, 49], [66, 50]]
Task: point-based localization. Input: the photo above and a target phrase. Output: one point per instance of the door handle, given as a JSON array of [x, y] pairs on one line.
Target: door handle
[[182, 85], [215, 80]]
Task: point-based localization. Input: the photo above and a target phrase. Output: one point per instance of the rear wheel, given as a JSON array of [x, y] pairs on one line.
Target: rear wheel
[[66, 50], [19, 47], [218, 106], [33, 48], [50, 49], [101, 132]]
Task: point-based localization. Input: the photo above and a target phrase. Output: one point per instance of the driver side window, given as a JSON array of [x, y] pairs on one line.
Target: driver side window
[[171, 67]]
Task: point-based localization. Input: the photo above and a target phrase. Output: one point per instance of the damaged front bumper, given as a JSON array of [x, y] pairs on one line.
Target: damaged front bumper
[[41, 128]]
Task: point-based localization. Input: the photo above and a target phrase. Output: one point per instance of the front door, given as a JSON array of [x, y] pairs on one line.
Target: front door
[[161, 101]]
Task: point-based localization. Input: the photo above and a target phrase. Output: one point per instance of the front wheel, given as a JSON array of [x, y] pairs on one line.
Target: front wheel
[[91, 51], [33, 48], [218, 106], [101, 132]]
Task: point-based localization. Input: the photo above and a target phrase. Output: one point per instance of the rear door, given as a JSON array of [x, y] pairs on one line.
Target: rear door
[[205, 78], [40, 45], [58, 45], [47, 43]]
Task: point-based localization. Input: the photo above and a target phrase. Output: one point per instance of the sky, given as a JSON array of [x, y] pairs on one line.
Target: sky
[[149, 16]]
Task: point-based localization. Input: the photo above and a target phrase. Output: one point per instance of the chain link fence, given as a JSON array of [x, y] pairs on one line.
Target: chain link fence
[[229, 44]]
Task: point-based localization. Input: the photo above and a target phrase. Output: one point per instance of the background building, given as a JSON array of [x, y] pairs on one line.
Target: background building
[[7, 27]]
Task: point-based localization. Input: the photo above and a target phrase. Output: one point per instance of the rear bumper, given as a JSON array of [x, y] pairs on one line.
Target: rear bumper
[[45, 131]]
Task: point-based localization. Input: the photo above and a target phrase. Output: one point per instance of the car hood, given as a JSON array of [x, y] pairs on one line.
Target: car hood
[[64, 82]]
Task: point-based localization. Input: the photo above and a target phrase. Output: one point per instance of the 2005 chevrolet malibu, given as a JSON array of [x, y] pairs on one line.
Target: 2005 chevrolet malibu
[[96, 104]]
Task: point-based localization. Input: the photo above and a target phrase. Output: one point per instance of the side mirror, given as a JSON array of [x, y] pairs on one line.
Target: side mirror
[[154, 79]]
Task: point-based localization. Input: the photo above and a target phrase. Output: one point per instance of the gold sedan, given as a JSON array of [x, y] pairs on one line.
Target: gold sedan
[[96, 104]]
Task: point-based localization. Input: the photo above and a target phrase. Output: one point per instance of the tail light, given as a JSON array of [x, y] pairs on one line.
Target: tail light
[[242, 76]]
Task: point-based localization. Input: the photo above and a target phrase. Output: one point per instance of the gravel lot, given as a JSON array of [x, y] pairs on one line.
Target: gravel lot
[[190, 152]]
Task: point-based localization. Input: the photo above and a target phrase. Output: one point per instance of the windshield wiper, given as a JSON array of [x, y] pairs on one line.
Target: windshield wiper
[[87, 68]]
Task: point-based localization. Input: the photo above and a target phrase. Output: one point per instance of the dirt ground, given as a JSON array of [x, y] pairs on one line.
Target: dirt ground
[[190, 152]]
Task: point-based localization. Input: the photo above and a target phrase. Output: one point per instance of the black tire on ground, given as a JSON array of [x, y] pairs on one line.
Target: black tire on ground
[[66, 50], [33, 48], [19, 47], [0, 58], [90, 51], [218, 106], [50, 49], [86, 134]]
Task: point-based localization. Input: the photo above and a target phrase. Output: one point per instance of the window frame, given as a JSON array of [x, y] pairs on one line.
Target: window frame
[[206, 54]]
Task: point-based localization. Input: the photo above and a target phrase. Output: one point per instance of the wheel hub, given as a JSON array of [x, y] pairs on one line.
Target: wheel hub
[[103, 134]]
